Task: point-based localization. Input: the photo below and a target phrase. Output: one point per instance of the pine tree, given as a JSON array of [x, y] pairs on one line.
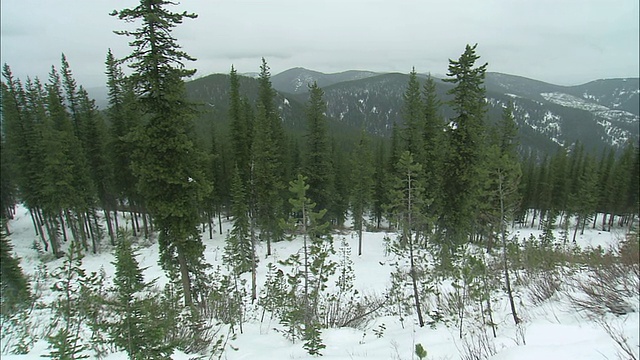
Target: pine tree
[[239, 251], [317, 163], [266, 180], [124, 117], [623, 174], [15, 289], [413, 115], [605, 185], [22, 112], [407, 202], [586, 194], [71, 96], [501, 193], [361, 185], [501, 154], [67, 340], [68, 186], [380, 191], [240, 126], [434, 148], [341, 186], [465, 137], [137, 324], [167, 164], [315, 263], [94, 133], [267, 164], [266, 98], [8, 190]]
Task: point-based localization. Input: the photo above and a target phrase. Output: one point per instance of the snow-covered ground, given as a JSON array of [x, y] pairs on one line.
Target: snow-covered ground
[[551, 330]]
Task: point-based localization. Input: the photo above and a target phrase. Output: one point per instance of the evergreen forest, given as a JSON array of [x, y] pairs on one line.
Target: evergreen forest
[[449, 192]]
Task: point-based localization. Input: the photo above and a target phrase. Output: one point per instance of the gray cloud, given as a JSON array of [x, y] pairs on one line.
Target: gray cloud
[[564, 42]]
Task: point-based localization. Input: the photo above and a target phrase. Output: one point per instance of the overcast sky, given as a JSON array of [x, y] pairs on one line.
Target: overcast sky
[[565, 42]]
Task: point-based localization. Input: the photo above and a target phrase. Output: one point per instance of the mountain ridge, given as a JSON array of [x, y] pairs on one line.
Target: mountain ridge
[[599, 113]]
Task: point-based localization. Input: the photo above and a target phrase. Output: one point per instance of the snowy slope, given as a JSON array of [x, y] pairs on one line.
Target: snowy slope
[[552, 330]]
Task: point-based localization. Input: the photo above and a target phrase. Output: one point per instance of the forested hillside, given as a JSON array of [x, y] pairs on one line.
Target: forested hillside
[[179, 159]]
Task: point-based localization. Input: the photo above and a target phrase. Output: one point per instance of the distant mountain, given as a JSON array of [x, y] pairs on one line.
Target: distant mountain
[[297, 80], [212, 94], [597, 114]]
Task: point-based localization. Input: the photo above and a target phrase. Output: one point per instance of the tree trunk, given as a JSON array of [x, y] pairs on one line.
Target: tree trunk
[[575, 232], [360, 240], [33, 220], [136, 223], [94, 234], [504, 250], [145, 224], [533, 219], [133, 226], [53, 237], [254, 264], [115, 220], [414, 281], [72, 224], [184, 274], [112, 237], [36, 216], [210, 226]]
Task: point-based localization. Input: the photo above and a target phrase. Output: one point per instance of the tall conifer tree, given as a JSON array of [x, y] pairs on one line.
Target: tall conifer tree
[[168, 165], [241, 132], [267, 161], [362, 183], [317, 164], [434, 147], [466, 134], [413, 114]]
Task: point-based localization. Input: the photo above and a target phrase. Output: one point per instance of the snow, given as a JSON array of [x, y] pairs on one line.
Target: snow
[[552, 330]]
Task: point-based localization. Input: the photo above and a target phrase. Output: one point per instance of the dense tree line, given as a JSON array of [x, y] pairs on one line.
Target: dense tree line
[[442, 183]]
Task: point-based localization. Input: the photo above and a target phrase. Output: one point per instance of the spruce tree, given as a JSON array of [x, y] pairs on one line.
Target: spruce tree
[[380, 191], [266, 179], [239, 250], [465, 138], [623, 174], [267, 161], [94, 140], [68, 187], [137, 326], [240, 128], [362, 183], [407, 202], [586, 196], [15, 289], [413, 115], [8, 190], [167, 164], [434, 147], [310, 282], [503, 182], [72, 100], [67, 341], [317, 163], [23, 110], [341, 184], [123, 115]]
